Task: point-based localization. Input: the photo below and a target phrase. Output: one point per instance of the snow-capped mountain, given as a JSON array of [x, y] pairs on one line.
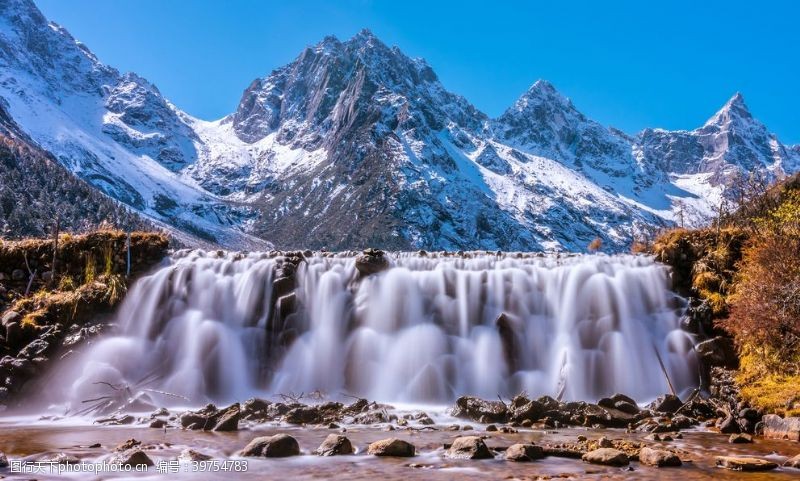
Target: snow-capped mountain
[[354, 143]]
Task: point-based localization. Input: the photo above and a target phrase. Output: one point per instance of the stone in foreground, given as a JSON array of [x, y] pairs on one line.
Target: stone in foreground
[[606, 457], [524, 452], [392, 447], [776, 427], [658, 457], [469, 447], [740, 438], [793, 462], [335, 445], [277, 446], [132, 457], [745, 463]]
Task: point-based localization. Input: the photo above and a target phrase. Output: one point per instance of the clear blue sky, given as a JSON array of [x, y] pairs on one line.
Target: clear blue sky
[[630, 64]]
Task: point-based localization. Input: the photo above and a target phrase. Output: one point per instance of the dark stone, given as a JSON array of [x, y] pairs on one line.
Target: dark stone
[[477, 409], [371, 261], [667, 403], [334, 445], [158, 423], [392, 447], [658, 457], [719, 352], [524, 452], [228, 420], [469, 447], [132, 457], [277, 446], [729, 426]]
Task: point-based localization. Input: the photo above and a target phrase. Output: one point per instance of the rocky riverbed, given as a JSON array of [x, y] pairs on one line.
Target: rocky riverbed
[[474, 439]]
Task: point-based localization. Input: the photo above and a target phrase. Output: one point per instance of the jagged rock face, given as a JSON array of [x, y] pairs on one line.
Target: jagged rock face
[[731, 143], [355, 144]]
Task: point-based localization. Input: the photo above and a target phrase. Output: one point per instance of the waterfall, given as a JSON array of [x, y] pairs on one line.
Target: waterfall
[[431, 327]]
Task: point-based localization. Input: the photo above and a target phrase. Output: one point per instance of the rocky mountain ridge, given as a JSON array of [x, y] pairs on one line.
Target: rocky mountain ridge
[[356, 144]]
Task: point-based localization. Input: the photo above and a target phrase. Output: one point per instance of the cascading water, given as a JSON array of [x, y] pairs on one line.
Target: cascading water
[[428, 329]]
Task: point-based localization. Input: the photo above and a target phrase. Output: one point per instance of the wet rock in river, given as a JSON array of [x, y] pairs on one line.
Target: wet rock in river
[[477, 409], [132, 457], [371, 261], [658, 457], [469, 447], [740, 438], [192, 455], [776, 427], [64, 458], [524, 452], [255, 409], [745, 463], [793, 462], [667, 403], [227, 420], [277, 446], [729, 425], [392, 447], [607, 457], [335, 445], [3, 460], [525, 410], [158, 423]]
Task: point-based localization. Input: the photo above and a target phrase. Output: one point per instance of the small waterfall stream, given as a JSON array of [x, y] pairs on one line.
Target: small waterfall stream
[[430, 328]]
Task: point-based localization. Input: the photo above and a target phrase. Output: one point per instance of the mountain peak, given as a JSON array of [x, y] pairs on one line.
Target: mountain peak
[[542, 92], [734, 110]]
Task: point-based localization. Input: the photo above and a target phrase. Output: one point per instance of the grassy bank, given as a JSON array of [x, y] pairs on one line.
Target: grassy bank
[[746, 268], [52, 291]]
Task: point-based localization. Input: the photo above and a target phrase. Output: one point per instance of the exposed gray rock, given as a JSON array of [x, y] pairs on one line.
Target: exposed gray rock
[[392, 447], [658, 457], [334, 445], [277, 446], [469, 447], [606, 456], [524, 452], [745, 463]]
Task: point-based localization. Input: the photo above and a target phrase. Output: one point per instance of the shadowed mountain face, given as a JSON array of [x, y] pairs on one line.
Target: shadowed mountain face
[[356, 144]]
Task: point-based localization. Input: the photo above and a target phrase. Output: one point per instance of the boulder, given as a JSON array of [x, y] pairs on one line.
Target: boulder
[[524, 452], [371, 261], [658, 457], [277, 446], [3, 460], [719, 352], [334, 445], [255, 408], [667, 403], [477, 409], [776, 427], [158, 424], [192, 421], [227, 420], [392, 447], [132, 457], [469, 447], [606, 457], [11, 316], [524, 409], [790, 463], [729, 426], [190, 455], [740, 438], [745, 463]]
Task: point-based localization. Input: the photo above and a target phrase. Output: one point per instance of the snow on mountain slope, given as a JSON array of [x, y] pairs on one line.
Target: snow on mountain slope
[[354, 144], [115, 131]]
